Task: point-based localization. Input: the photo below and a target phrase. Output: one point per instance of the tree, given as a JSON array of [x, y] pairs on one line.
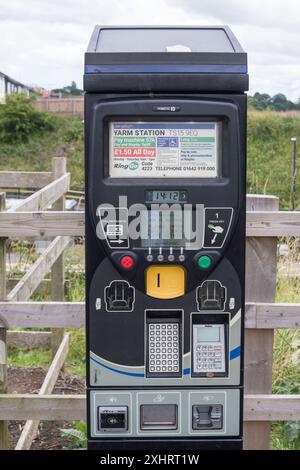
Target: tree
[[69, 90], [279, 102], [260, 101]]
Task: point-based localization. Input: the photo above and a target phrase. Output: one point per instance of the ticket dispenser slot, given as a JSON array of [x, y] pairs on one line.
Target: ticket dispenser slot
[[158, 417], [210, 345]]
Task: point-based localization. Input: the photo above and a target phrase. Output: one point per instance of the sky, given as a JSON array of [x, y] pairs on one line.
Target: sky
[[42, 42]]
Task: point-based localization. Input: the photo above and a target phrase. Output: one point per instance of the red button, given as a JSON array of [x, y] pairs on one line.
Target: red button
[[127, 262]]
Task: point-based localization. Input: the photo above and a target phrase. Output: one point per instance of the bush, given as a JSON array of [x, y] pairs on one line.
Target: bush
[[75, 132], [19, 120]]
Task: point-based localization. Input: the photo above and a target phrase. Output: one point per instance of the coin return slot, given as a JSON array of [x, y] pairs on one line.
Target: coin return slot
[[159, 417]]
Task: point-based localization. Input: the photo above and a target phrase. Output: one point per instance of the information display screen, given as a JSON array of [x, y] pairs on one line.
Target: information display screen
[[208, 334], [164, 149]]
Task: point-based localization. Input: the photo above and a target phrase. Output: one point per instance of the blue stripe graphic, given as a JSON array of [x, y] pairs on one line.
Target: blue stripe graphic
[[132, 374], [235, 352], [165, 68]]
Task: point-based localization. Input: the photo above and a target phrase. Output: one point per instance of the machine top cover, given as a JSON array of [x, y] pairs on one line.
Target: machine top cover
[[143, 58]]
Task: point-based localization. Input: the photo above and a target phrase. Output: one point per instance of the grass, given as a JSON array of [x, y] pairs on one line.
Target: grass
[[270, 155], [29, 358], [36, 155], [286, 355]]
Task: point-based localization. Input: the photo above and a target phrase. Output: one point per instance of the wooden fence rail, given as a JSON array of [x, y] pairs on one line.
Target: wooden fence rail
[[72, 315], [49, 224], [257, 407], [24, 179], [45, 197]]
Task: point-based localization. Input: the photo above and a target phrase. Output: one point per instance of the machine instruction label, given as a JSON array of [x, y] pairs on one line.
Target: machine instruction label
[[160, 149]]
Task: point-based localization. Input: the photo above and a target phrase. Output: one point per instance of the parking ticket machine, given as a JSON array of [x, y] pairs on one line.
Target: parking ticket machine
[[165, 149]]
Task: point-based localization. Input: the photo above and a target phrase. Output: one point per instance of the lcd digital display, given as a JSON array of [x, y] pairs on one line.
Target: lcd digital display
[[172, 228], [164, 149], [208, 334], [165, 196]]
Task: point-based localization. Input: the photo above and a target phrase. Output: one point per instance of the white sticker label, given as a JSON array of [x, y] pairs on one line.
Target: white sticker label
[[160, 149]]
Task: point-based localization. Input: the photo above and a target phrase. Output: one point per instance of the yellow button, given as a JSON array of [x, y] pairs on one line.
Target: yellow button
[[165, 282]]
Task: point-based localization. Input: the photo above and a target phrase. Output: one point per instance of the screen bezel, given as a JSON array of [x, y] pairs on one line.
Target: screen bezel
[[221, 170]]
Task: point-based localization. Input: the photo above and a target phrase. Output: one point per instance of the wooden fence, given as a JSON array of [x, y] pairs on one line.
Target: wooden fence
[[32, 219], [64, 106]]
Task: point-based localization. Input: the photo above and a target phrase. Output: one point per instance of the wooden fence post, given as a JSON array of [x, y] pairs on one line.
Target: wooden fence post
[[59, 168], [261, 258], [3, 345]]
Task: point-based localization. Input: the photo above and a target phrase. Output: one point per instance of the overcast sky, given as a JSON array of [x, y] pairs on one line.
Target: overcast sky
[[42, 42]]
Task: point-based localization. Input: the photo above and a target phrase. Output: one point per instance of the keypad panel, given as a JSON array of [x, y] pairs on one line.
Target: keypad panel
[[208, 356], [163, 348]]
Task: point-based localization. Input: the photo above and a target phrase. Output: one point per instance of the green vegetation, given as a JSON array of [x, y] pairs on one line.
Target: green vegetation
[[278, 102], [36, 152], [270, 155], [19, 120], [76, 435], [286, 357], [24, 358]]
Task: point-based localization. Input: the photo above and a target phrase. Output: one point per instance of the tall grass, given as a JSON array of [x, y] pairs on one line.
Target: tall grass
[[270, 155], [286, 355]]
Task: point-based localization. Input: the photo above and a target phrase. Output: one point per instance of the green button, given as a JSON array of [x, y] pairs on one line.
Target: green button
[[204, 262]]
